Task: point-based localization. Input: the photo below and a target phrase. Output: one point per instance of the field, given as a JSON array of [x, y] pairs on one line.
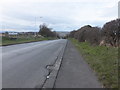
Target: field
[[8, 41], [103, 60]]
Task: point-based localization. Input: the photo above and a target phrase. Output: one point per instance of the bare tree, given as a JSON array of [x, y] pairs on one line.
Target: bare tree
[[46, 32], [111, 32], [87, 34], [72, 33]]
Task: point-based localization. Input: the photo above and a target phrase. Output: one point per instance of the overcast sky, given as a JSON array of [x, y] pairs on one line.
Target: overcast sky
[[61, 15]]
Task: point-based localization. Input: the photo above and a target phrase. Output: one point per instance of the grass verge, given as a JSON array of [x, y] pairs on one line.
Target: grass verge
[[8, 41], [103, 60]]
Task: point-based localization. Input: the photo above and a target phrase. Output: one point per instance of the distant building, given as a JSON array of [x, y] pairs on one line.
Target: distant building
[[12, 33]]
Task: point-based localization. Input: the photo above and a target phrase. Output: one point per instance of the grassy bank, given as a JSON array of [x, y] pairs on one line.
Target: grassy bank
[[103, 60], [8, 41]]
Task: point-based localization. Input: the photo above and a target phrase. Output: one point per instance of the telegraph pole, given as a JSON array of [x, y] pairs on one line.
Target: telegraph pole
[[36, 25], [119, 9]]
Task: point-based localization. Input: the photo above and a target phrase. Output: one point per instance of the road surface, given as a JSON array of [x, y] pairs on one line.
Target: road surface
[[75, 72], [24, 65]]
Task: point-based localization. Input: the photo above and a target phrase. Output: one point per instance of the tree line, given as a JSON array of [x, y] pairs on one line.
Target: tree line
[[109, 34], [47, 32]]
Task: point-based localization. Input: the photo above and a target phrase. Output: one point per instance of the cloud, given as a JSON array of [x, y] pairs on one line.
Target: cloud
[[58, 14]]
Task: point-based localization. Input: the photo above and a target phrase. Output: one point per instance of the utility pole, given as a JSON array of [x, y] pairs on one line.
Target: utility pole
[[36, 25], [119, 9]]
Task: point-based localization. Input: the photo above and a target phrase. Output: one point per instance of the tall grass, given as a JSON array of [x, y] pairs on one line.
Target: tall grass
[[103, 60]]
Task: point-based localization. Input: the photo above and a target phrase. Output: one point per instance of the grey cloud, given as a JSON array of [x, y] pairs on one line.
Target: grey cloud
[[58, 15]]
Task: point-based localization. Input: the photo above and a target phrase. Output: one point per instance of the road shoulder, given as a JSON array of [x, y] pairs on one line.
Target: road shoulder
[[75, 72]]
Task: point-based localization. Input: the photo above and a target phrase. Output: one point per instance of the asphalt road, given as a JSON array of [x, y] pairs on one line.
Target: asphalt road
[[23, 65]]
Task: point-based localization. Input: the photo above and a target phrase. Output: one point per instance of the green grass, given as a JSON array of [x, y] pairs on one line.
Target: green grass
[[8, 41], [103, 60]]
